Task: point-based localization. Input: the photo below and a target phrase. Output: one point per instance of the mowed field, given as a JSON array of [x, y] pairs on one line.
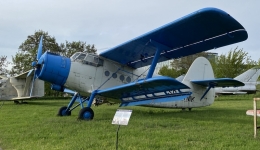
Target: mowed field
[[35, 126]]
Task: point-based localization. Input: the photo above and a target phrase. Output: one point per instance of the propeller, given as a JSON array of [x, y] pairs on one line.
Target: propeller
[[35, 64]]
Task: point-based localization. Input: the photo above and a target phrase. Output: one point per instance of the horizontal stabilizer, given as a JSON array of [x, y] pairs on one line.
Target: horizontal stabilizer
[[219, 82], [23, 75], [159, 87]]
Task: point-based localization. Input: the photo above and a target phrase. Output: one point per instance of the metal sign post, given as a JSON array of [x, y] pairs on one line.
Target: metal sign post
[[121, 117]]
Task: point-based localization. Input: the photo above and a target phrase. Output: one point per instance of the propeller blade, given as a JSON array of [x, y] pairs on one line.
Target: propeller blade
[[30, 72], [39, 52], [34, 76]]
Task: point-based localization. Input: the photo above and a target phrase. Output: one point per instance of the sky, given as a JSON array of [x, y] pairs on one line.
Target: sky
[[108, 23]]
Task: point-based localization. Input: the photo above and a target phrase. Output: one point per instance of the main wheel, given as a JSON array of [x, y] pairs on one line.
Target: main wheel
[[63, 112], [86, 113]]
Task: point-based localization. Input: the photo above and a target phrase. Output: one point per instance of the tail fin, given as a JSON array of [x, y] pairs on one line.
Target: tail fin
[[200, 69], [250, 75]]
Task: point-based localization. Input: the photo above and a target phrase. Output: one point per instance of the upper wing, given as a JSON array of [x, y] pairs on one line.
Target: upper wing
[[202, 30], [157, 89], [220, 82]]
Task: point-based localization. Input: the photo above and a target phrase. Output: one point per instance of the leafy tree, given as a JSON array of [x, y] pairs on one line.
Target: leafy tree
[[3, 64], [69, 48], [231, 65], [28, 50], [27, 53], [179, 66], [166, 71]]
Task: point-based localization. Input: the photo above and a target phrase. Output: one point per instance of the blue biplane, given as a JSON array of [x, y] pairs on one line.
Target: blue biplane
[[118, 72]]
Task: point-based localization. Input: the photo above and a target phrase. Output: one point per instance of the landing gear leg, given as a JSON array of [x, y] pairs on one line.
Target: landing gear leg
[[87, 113], [65, 111]]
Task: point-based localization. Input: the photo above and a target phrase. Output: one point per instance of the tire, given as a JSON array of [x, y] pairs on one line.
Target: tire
[[86, 113], [62, 111]]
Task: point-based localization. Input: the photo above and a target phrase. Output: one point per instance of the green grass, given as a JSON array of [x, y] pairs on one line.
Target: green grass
[[35, 126]]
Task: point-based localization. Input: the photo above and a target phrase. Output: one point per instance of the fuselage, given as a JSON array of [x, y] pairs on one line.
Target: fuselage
[[84, 73], [86, 76]]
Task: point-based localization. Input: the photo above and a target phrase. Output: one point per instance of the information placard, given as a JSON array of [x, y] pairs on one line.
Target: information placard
[[122, 117]]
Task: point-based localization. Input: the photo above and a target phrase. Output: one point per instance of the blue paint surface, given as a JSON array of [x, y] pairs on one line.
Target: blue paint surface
[[219, 82], [54, 68]]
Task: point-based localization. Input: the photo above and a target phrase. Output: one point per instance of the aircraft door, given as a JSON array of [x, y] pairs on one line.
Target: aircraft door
[[98, 62], [98, 77]]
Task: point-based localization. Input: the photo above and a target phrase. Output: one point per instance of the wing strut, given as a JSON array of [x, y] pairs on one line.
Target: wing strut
[[159, 48], [154, 62]]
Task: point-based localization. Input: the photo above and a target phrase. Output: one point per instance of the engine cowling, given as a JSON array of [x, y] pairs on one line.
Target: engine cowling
[[53, 68]]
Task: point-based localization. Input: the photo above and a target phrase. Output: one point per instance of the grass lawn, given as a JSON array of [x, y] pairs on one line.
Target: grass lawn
[[35, 126]]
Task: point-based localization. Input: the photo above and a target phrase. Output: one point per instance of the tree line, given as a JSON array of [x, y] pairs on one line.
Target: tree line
[[232, 64]]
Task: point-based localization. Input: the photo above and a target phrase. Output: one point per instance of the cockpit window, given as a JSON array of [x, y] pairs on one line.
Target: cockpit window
[[93, 60], [81, 56], [89, 59], [74, 56]]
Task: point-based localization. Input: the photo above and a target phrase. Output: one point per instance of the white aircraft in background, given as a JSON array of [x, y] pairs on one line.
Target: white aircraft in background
[[249, 78], [117, 73], [20, 87]]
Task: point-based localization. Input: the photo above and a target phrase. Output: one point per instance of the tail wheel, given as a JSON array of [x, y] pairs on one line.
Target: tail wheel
[[62, 111], [86, 113]]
